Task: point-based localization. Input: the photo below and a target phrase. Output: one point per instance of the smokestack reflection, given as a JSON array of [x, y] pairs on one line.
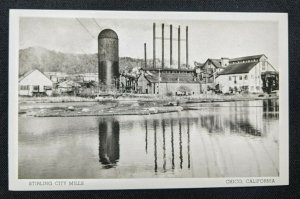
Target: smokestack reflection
[[172, 144], [180, 144], [155, 146], [164, 145], [146, 138], [109, 148], [188, 144]]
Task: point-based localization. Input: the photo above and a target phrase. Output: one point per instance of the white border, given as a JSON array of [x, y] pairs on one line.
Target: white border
[[149, 183]]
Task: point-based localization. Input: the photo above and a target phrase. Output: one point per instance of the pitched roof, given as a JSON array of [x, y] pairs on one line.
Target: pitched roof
[[246, 58], [216, 62], [29, 72], [153, 77], [238, 68]]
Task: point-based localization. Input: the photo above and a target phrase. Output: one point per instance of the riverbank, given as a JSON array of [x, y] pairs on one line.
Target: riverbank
[[123, 105], [149, 98]]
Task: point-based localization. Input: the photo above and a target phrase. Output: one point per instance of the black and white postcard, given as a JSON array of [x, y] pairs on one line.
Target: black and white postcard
[[137, 100]]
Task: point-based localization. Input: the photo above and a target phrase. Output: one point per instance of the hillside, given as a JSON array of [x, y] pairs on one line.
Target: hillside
[[48, 60]]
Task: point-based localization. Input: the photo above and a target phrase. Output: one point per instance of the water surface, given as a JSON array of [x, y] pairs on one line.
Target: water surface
[[232, 139]]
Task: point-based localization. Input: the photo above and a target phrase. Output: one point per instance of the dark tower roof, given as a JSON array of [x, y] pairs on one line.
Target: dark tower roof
[[108, 33]]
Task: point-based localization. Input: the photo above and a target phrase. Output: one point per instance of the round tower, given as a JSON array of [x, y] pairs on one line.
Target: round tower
[[108, 59]]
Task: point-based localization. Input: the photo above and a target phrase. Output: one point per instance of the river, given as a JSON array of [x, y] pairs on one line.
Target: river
[[228, 139]]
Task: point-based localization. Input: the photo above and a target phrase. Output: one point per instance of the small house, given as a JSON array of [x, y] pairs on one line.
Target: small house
[[35, 83], [68, 87]]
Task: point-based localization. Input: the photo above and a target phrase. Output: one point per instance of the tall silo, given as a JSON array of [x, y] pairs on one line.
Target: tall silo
[[108, 59]]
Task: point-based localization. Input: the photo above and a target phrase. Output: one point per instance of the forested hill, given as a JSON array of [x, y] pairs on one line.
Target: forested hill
[[48, 60]]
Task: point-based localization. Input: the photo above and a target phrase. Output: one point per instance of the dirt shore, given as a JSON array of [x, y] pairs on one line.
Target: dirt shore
[[76, 106]]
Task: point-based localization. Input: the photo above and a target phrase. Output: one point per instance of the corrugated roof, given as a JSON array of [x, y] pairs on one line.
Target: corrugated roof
[[246, 58], [168, 69], [68, 84], [170, 77], [238, 68]]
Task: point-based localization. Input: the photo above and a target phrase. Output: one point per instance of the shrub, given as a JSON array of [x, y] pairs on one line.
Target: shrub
[[169, 94], [55, 93]]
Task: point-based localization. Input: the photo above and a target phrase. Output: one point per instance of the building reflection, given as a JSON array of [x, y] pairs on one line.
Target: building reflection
[[271, 109], [109, 149], [168, 141]]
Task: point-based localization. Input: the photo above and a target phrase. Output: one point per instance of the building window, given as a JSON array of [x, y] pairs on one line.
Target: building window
[[263, 65], [24, 87], [36, 88], [241, 77], [246, 77], [47, 87], [229, 78]]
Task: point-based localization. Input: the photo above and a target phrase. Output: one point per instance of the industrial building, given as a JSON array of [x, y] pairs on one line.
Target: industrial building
[[35, 83], [168, 82], [253, 74], [164, 80]]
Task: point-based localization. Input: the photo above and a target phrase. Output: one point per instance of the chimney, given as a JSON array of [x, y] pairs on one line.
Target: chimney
[[179, 47], [171, 41], [162, 46], [224, 61], [154, 46]]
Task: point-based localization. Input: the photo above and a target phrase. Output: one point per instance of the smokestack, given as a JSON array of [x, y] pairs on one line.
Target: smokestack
[[187, 45], [145, 51], [179, 47], [154, 46], [162, 46], [171, 41]]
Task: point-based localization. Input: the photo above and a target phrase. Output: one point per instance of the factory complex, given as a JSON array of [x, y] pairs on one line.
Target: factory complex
[[249, 74]]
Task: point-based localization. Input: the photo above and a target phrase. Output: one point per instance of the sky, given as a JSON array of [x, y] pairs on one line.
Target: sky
[[207, 39]]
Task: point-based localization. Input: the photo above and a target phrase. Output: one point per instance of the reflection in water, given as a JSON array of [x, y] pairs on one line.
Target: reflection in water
[[242, 123], [231, 139], [188, 145], [155, 146], [271, 109], [172, 144], [180, 144], [164, 144], [146, 137], [109, 148]]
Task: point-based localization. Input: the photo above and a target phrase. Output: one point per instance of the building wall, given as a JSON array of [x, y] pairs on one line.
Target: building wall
[[165, 88], [145, 86], [28, 85]]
